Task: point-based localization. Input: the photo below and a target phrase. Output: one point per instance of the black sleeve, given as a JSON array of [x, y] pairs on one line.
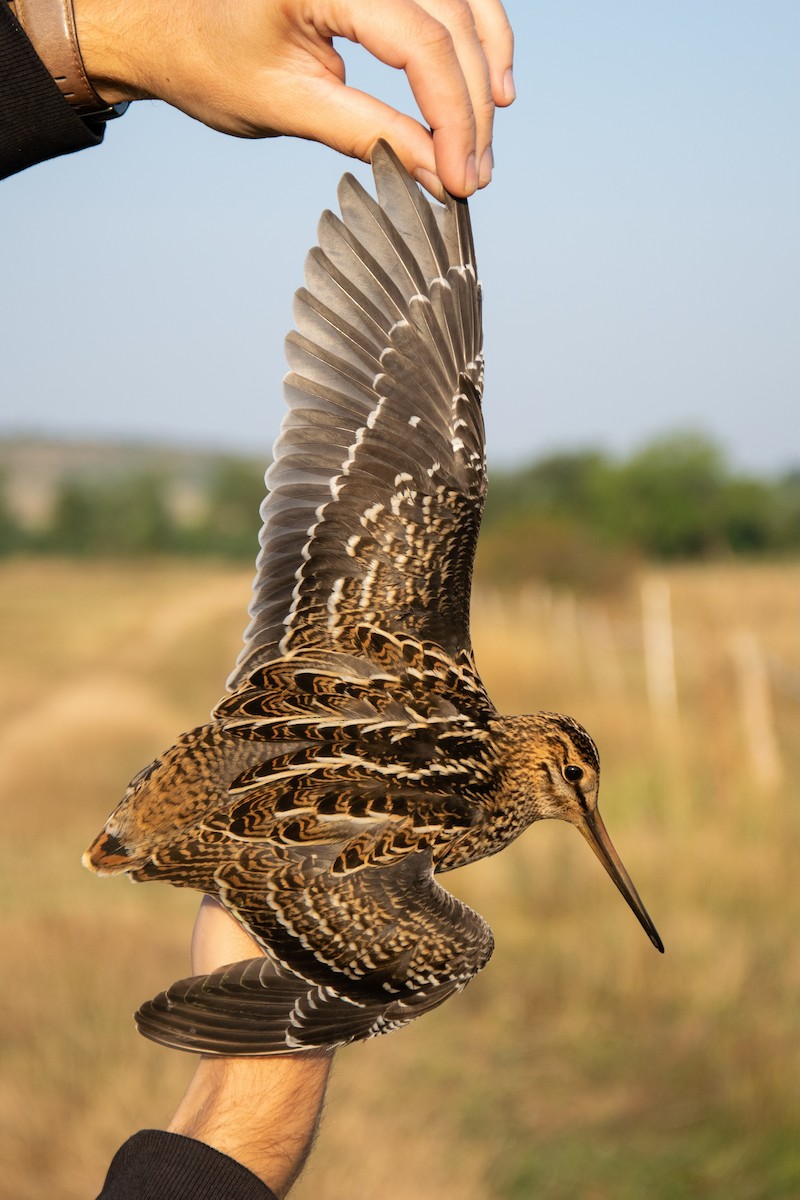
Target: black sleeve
[[153, 1165], [36, 123]]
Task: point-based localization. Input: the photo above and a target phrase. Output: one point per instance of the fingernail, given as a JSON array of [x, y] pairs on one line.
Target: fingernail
[[471, 177], [432, 183], [487, 166], [509, 91]]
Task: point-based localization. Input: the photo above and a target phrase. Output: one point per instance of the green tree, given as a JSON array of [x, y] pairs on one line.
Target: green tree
[[671, 497], [128, 516], [750, 517], [787, 506], [231, 521], [566, 485], [11, 534]]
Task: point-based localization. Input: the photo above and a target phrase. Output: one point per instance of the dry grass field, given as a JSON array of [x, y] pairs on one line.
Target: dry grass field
[[581, 1065]]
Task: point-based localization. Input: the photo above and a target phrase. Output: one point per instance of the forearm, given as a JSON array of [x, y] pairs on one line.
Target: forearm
[[262, 1112]]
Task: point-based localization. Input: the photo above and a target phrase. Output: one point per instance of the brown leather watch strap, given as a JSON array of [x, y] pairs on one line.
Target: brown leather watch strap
[[50, 25]]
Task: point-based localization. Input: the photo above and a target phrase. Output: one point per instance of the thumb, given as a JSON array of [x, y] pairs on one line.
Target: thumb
[[351, 121]]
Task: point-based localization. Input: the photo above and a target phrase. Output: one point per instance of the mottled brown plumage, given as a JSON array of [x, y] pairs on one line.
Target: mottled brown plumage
[[357, 754]]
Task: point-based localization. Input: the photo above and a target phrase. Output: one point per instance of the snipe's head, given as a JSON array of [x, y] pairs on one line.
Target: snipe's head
[[556, 768]]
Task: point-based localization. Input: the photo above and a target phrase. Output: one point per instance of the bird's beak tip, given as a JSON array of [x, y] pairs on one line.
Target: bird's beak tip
[[594, 831]]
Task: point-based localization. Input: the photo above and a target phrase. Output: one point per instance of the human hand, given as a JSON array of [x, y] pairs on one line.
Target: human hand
[[261, 1111], [261, 68]]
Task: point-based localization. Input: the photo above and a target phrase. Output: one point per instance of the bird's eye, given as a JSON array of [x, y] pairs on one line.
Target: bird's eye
[[573, 774]]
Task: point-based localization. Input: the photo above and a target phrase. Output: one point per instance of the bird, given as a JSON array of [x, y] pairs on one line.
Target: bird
[[356, 754]]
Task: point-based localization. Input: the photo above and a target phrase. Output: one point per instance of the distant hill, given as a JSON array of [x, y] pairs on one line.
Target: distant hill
[[34, 469]]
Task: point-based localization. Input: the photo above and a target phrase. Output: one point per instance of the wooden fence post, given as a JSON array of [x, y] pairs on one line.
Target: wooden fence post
[[659, 655], [756, 711]]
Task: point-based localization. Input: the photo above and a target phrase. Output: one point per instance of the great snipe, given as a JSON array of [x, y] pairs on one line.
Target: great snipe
[[357, 754]]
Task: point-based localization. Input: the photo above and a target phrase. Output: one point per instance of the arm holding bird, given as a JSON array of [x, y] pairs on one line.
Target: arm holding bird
[[245, 1126], [263, 1112]]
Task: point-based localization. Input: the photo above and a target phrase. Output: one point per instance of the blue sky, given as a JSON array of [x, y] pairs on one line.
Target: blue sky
[[639, 248]]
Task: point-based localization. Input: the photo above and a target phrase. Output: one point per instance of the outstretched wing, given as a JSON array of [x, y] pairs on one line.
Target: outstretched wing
[[377, 487]]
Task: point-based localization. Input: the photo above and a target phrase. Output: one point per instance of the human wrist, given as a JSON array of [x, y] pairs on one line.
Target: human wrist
[[106, 36]]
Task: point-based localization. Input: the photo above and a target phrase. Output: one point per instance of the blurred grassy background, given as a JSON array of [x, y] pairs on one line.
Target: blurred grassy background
[[581, 1064]]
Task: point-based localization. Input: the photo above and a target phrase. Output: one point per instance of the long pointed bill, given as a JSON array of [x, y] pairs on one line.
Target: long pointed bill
[[595, 833]]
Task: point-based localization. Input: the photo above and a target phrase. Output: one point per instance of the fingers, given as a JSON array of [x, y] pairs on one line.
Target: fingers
[[458, 21], [456, 56], [483, 45], [497, 39], [480, 48]]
